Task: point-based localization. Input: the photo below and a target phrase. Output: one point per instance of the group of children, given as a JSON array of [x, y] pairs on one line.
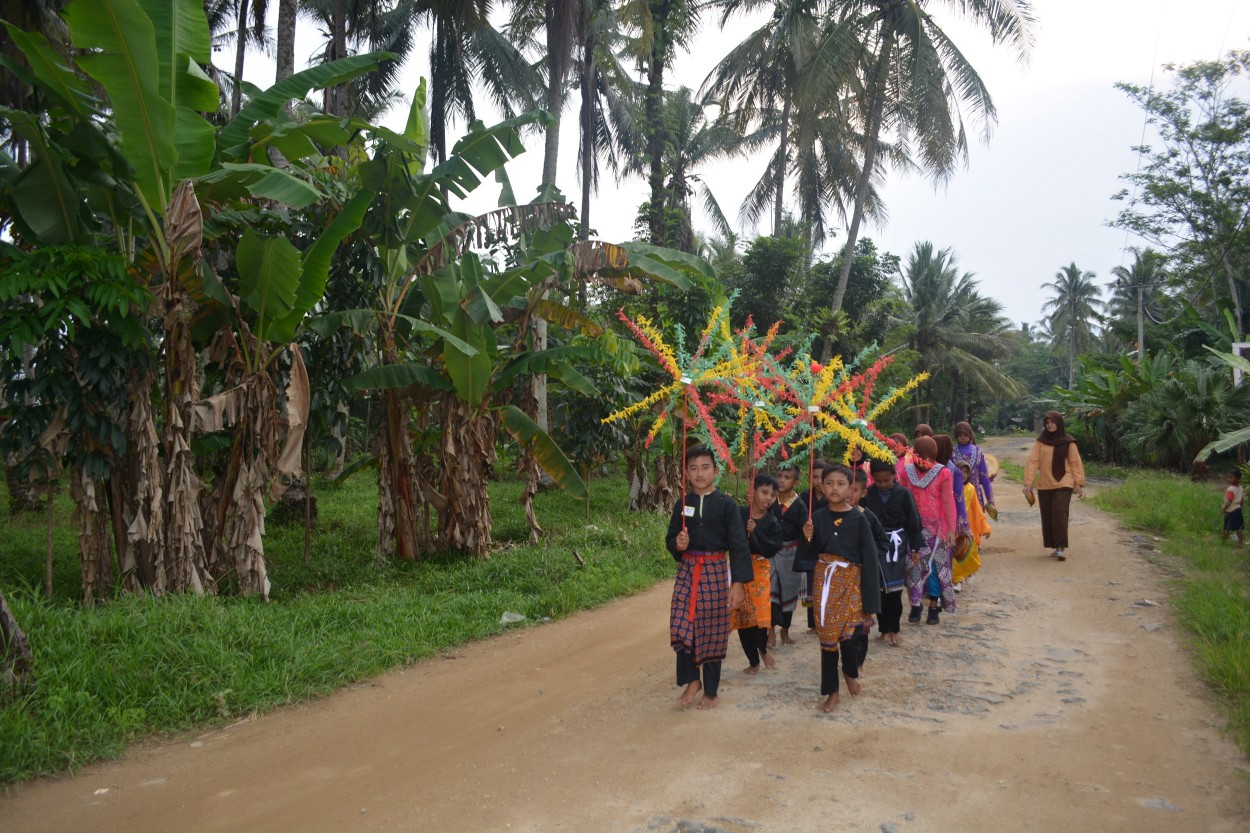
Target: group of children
[[874, 530]]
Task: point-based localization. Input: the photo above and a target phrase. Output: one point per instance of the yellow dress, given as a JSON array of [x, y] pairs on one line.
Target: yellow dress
[[978, 525]]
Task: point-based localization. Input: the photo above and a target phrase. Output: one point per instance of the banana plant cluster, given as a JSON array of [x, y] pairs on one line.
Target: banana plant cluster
[[123, 158]]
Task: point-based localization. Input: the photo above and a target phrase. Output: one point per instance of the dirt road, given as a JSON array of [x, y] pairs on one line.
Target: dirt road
[[1056, 700]]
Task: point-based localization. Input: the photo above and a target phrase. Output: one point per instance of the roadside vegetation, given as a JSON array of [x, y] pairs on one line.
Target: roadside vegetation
[[108, 675], [1210, 592]]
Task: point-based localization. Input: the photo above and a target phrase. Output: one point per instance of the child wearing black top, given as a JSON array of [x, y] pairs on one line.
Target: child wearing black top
[[786, 583], [753, 619], [707, 538], [895, 507], [839, 545]]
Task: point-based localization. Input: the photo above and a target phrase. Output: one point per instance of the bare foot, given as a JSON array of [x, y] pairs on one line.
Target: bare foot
[[707, 703], [896, 639], [687, 696], [831, 703], [881, 637], [852, 685], [769, 662], [751, 669], [772, 638], [785, 637]]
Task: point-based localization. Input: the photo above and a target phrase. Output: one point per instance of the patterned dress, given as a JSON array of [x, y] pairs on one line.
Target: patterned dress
[[935, 501]]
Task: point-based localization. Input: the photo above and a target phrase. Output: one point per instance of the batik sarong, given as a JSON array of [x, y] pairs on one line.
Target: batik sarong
[[699, 618], [837, 597], [756, 609], [784, 583], [935, 556]]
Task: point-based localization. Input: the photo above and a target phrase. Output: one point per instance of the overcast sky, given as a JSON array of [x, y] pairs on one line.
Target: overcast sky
[[1033, 199]]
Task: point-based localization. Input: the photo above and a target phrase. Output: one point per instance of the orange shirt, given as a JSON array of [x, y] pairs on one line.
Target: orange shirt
[[1039, 467]]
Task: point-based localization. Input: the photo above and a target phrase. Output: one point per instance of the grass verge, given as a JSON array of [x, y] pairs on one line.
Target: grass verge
[[1212, 593], [138, 666]]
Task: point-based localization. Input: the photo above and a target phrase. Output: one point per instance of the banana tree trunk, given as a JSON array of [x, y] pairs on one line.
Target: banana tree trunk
[[872, 134], [93, 548], [182, 562], [399, 516], [24, 496], [145, 489], [467, 452], [15, 655], [253, 446]]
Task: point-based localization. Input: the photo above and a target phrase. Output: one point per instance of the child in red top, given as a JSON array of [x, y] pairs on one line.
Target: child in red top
[[1233, 498]]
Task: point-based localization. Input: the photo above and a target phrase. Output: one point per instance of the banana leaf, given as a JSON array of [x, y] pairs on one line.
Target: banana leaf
[[544, 450]]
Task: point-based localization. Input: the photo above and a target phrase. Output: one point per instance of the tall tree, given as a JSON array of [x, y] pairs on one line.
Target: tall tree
[[1136, 287], [958, 332], [1191, 197], [757, 83], [288, 12], [693, 143], [1075, 312], [911, 81]]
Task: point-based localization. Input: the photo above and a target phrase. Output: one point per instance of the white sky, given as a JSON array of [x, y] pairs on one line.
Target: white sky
[[1032, 200]]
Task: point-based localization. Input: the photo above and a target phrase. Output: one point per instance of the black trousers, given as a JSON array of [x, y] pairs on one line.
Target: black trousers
[[783, 618], [754, 643], [891, 611], [849, 649], [688, 672], [1055, 504]]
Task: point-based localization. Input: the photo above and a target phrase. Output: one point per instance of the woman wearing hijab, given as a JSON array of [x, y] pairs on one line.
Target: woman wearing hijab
[[967, 451], [1055, 463], [945, 455]]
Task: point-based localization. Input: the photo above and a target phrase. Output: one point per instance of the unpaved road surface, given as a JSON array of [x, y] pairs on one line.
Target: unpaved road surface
[[1057, 700]]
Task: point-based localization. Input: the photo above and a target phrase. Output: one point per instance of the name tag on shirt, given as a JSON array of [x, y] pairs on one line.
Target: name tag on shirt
[[688, 511]]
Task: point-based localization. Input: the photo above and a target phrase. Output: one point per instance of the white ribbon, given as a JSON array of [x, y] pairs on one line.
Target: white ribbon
[[896, 544]]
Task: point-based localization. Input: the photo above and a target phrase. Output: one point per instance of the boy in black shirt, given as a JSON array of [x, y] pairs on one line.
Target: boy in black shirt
[[839, 544], [895, 507], [753, 618], [786, 583], [707, 538]]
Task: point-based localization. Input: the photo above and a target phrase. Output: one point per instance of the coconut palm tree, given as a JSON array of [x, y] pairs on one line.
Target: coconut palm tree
[[1136, 287], [610, 101], [693, 142], [958, 332], [1075, 312], [911, 82], [757, 84], [659, 27]]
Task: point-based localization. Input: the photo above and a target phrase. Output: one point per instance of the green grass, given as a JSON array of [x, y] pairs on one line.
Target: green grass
[[1011, 470], [1212, 592], [138, 666]]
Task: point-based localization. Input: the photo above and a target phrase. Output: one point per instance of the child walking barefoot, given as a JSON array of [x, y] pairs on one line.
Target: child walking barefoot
[[896, 509], [846, 590], [752, 620], [709, 545]]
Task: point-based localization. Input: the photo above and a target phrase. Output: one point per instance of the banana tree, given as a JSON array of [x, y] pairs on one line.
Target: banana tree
[[120, 164], [442, 316]]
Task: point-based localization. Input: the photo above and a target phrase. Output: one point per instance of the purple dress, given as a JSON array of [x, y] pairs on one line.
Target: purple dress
[[975, 458]]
